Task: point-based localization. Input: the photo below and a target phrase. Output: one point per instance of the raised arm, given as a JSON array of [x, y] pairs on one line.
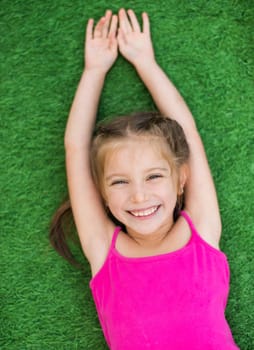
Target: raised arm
[[91, 221], [200, 195]]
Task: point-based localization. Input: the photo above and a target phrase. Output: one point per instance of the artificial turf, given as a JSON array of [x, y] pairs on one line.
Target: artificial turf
[[206, 47]]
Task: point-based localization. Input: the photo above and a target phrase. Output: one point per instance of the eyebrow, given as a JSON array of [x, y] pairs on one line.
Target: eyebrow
[[109, 177]]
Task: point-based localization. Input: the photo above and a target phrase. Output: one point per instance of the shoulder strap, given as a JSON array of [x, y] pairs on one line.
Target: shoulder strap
[[196, 235], [115, 234], [189, 221]]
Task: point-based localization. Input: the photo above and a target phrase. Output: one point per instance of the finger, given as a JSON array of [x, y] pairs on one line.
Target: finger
[[134, 22], [124, 21], [146, 23], [89, 29], [113, 43], [113, 26], [106, 23], [98, 28], [121, 37]]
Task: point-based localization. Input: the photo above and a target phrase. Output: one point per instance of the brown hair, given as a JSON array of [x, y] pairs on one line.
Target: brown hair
[[107, 135]]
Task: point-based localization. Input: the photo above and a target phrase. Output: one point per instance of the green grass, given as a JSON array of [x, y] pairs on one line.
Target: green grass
[[207, 49]]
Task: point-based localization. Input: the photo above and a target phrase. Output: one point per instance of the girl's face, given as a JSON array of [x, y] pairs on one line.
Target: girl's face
[[140, 189]]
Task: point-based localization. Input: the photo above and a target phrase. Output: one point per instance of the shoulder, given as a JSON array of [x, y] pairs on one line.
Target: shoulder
[[206, 227], [102, 246]]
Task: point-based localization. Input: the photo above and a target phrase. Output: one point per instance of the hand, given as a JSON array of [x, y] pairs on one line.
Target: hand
[[135, 45], [101, 43]]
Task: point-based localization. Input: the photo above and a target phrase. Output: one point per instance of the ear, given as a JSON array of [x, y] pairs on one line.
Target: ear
[[183, 175]]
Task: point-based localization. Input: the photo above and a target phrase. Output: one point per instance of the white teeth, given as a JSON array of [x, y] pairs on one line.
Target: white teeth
[[144, 212]]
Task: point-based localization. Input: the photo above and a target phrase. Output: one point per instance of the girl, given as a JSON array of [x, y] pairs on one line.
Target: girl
[[159, 280]]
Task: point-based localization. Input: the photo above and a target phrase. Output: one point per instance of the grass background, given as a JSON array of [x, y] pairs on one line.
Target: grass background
[[207, 49]]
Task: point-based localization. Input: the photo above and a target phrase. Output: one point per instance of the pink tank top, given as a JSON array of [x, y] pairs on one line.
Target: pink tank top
[[170, 301]]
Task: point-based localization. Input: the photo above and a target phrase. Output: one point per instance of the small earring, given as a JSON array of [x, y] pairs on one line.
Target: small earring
[[181, 190]]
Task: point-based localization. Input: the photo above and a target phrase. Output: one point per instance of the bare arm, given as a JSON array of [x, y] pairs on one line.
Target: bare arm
[[200, 196], [92, 223]]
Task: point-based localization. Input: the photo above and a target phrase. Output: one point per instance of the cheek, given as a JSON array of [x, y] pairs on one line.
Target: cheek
[[167, 187], [169, 194], [114, 199]]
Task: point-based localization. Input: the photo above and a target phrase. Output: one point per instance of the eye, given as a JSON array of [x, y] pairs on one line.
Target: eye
[[118, 182], [154, 176]]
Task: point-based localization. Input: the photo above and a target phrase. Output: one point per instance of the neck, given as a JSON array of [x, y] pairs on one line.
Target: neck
[[153, 239]]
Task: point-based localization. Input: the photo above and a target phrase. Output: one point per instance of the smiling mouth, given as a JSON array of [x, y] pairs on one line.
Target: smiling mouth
[[144, 212]]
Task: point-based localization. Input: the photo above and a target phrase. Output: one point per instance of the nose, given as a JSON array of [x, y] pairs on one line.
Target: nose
[[139, 193]]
